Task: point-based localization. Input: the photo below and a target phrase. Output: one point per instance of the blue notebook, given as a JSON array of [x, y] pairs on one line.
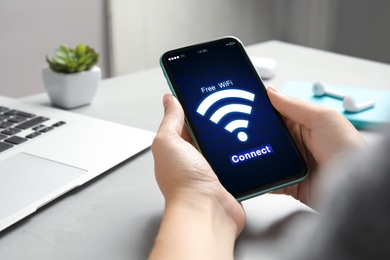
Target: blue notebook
[[374, 117]]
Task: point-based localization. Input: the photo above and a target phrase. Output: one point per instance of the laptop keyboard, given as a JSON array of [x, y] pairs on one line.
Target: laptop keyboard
[[17, 127]]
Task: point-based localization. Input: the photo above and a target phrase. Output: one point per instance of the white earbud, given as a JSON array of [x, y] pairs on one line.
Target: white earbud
[[350, 105], [349, 102], [319, 90]]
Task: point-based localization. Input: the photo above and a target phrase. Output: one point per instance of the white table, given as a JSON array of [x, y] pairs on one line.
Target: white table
[[117, 215]]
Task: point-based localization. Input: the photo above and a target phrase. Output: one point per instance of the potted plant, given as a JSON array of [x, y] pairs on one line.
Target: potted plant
[[72, 78]]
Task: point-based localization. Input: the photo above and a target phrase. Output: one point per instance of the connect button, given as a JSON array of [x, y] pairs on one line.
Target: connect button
[[251, 154]]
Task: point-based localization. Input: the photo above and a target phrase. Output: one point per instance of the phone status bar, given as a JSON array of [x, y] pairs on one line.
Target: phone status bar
[[176, 57]]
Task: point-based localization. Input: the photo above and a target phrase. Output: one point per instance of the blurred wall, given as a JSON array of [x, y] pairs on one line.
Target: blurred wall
[[305, 22], [130, 35], [31, 29], [141, 31], [352, 27], [363, 29]]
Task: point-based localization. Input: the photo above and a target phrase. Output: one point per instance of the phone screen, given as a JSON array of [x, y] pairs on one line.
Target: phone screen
[[231, 118]]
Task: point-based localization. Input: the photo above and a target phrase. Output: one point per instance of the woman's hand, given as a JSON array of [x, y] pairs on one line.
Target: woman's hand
[[201, 219], [321, 135]]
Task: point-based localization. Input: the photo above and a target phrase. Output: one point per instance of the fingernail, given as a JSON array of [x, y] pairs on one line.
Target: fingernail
[[273, 88], [166, 99]]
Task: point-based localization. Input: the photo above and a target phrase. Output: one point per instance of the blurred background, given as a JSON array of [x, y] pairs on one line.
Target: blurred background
[[130, 35]]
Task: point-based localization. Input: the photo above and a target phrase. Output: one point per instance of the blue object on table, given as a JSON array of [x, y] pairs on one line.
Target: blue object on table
[[374, 117]]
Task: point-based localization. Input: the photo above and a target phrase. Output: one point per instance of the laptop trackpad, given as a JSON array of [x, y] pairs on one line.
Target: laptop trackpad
[[27, 178]]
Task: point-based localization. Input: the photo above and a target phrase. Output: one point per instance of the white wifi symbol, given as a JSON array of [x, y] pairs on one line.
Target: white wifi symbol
[[224, 110]]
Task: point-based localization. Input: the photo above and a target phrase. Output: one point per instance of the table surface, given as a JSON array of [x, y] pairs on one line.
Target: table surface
[[117, 215]]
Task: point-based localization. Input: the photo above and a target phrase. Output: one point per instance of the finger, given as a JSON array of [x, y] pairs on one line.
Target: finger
[[173, 120], [294, 109]]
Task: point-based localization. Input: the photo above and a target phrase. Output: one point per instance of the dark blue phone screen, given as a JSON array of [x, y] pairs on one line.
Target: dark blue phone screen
[[231, 117]]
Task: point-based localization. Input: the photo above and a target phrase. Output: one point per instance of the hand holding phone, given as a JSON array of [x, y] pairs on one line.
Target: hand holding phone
[[231, 119]]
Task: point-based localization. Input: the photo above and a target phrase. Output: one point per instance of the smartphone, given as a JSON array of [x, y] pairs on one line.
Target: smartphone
[[231, 119]]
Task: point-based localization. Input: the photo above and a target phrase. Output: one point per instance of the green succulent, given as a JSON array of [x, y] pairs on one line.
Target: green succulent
[[68, 60]]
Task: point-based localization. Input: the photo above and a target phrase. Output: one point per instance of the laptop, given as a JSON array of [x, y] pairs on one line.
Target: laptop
[[46, 152]]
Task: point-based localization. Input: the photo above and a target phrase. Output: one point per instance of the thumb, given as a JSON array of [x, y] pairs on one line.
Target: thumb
[[173, 116]]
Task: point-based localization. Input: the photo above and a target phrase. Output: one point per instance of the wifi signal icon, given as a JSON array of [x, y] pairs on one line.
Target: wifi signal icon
[[229, 108]]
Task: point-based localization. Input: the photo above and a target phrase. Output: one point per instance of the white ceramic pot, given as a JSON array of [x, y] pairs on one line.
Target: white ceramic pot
[[71, 90]]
